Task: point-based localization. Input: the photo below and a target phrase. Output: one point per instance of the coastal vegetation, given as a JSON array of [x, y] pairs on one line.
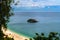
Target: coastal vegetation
[[5, 13], [51, 36]]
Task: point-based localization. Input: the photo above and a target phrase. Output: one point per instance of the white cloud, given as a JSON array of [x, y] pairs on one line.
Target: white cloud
[[37, 3]]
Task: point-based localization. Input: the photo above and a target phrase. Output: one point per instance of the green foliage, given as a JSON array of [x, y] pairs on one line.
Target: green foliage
[[51, 36], [5, 13], [8, 38]]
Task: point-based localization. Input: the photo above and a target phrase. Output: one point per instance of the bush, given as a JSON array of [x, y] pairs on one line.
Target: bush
[[51, 36]]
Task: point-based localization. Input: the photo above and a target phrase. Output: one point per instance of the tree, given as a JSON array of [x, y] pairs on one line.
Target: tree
[[51, 36], [5, 13]]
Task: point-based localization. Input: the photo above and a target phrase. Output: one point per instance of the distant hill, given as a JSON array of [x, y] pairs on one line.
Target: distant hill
[[37, 9]]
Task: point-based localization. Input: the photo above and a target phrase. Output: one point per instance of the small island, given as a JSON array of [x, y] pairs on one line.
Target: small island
[[32, 21]]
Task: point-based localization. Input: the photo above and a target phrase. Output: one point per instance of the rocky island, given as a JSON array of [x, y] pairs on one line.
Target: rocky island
[[32, 21]]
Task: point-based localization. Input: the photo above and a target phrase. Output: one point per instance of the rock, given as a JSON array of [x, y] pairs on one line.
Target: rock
[[32, 21]]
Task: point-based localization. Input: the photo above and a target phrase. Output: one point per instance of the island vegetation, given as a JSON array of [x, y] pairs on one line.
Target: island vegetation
[[32, 21]]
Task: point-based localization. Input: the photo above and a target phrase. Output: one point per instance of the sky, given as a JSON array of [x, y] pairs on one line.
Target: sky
[[37, 5]]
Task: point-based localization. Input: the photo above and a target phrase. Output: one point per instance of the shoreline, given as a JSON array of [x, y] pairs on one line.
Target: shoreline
[[18, 33], [15, 35]]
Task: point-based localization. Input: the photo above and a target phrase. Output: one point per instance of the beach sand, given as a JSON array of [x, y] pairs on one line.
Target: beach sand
[[14, 35]]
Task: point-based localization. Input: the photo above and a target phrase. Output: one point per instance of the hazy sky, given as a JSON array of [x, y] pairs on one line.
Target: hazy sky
[[37, 5]]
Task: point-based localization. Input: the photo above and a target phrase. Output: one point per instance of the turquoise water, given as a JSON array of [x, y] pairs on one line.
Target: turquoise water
[[47, 22]]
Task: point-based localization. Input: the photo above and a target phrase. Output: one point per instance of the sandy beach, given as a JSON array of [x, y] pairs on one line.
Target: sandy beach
[[14, 35]]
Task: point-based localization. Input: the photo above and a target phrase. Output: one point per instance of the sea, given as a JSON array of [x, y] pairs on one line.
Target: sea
[[47, 22]]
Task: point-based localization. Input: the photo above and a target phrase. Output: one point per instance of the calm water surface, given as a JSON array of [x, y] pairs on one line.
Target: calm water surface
[[47, 22]]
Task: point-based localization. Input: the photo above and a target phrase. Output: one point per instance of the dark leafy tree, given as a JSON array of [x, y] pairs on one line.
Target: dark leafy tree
[[5, 13], [51, 36]]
